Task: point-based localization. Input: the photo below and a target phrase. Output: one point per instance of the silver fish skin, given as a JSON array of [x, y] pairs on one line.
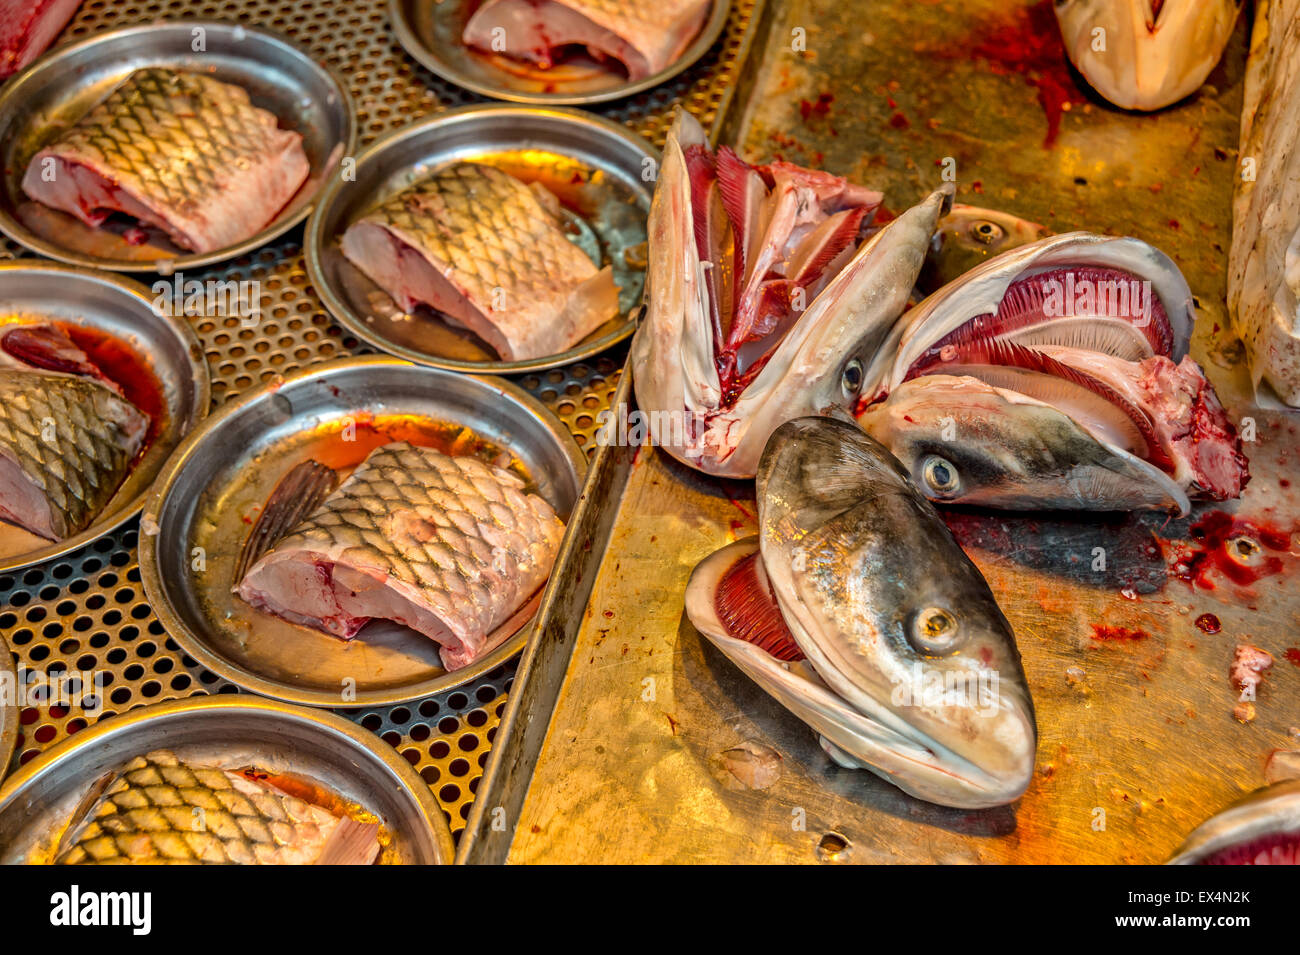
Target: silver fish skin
[[835, 351], [1146, 54], [66, 444], [1263, 283], [180, 151], [448, 546], [646, 36], [911, 669], [488, 252], [968, 236], [1261, 829], [160, 810]]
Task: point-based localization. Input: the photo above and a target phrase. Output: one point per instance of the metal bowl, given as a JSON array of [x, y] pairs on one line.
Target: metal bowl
[[554, 146], [168, 347], [431, 33], [62, 86], [231, 732], [197, 519], [8, 706]]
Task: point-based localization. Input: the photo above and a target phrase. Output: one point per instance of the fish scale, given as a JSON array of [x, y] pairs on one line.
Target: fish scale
[[88, 448], [462, 544], [158, 809]]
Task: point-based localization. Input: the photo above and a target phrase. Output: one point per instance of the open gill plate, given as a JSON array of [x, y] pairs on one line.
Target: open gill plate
[[232, 733], [601, 173], [61, 87], [431, 33], [211, 492], [122, 312]]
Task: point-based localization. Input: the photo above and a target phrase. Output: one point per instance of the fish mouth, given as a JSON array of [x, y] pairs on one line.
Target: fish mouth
[[1097, 329], [1262, 829], [910, 674]]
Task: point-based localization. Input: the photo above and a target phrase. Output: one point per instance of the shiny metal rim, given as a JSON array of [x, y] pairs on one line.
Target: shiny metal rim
[[430, 59], [315, 241], [8, 706], [202, 400], [348, 733], [151, 573], [13, 90]]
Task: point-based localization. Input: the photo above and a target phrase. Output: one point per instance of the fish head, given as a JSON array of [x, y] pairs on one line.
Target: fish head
[[1146, 54], [968, 236], [1262, 828], [893, 616], [763, 311], [963, 440]]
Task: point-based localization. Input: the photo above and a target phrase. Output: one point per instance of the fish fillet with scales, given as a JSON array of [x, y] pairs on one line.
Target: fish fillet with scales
[[448, 546], [179, 151], [488, 252]]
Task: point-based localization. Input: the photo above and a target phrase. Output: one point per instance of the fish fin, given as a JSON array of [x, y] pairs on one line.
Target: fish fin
[[81, 814], [296, 495], [351, 843]]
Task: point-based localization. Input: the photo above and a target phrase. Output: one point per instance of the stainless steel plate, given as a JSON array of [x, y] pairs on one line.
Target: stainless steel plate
[[168, 347], [62, 86], [195, 523], [431, 32], [8, 706], [595, 167], [231, 732]]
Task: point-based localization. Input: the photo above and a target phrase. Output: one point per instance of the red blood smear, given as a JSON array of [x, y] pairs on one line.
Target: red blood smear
[[1207, 551], [899, 121], [1292, 655], [821, 107], [1208, 623], [1105, 631], [127, 369], [1028, 44]]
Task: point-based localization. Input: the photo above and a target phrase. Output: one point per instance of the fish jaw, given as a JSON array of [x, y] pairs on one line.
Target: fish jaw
[[889, 611], [914, 767], [1271, 814], [1151, 59], [831, 355], [962, 440]]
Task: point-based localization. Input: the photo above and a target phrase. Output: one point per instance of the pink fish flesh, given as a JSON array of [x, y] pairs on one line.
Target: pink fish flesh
[[645, 36], [179, 151], [448, 546], [27, 27]]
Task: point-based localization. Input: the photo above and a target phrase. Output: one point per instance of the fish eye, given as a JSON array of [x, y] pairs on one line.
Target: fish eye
[[987, 232], [940, 474], [851, 381], [934, 630]]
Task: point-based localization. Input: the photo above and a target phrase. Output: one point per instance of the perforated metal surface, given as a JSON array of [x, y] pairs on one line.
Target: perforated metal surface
[[87, 612]]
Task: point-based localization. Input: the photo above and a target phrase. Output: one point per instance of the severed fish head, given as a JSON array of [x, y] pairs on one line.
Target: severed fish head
[[970, 235], [1146, 54], [1262, 829], [761, 304], [1056, 376], [857, 610]]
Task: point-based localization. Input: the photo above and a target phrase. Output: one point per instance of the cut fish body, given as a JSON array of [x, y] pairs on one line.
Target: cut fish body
[[145, 814], [488, 252], [645, 36], [27, 27], [732, 381], [1152, 52], [179, 151], [67, 435], [1264, 262], [901, 659], [450, 547]]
